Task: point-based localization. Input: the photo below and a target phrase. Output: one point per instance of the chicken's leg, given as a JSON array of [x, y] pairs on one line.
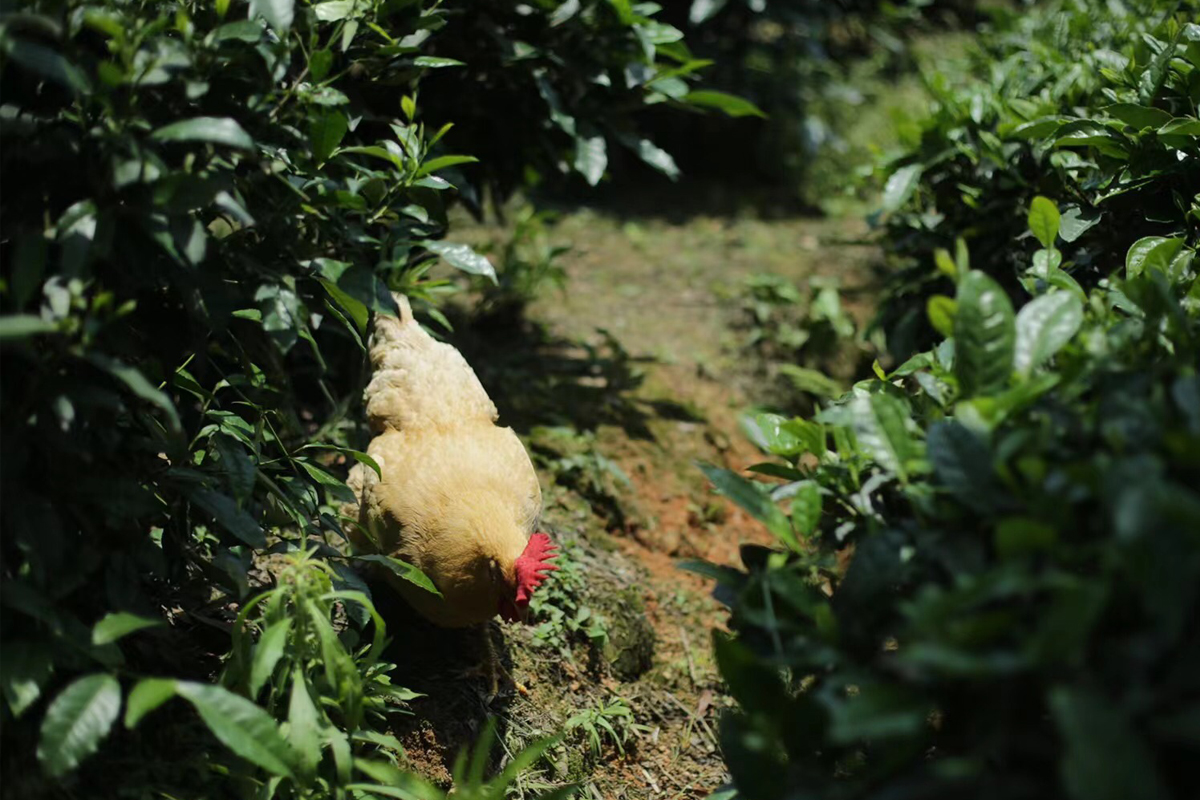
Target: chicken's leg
[[490, 666]]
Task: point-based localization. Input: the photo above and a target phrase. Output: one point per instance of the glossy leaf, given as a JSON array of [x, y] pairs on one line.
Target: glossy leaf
[[900, 186], [1044, 325], [278, 13], [757, 503], [243, 727], [591, 158], [731, 105], [325, 133], [1044, 221], [1151, 253], [462, 257], [984, 335], [116, 625], [77, 721], [403, 570], [217, 130], [147, 695], [882, 424]]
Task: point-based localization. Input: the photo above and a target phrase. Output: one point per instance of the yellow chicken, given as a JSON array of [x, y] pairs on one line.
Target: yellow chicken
[[458, 497]]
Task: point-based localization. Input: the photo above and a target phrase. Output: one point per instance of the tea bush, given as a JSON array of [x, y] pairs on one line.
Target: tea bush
[[1090, 104], [1017, 504], [203, 204]]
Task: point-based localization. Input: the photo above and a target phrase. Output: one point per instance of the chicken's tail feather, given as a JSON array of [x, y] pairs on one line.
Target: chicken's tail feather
[[417, 380]]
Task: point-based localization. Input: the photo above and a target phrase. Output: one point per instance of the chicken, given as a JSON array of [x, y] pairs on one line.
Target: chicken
[[458, 497]]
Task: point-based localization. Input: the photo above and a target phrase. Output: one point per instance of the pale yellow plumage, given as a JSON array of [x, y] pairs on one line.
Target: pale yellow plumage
[[458, 496]]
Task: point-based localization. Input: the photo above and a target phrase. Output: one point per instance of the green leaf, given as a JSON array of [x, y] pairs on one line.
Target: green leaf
[[433, 62], [984, 335], [1138, 116], [1039, 128], [882, 424], [115, 625], [591, 158], [812, 381], [44, 62], [357, 455], [238, 467], [462, 257], [778, 439], [22, 326], [1044, 220], [704, 10], [240, 725], [319, 64], [1044, 325], [1180, 133], [941, 311], [900, 186], [277, 13], [24, 669], [945, 263], [218, 130], [1086, 133], [404, 570], [751, 497], [961, 461], [731, 104], [233, 519], [441, 162], [76, 722], [1016, 536], [1077, 221], [267, 652], [304, 725], [1105, 758], [806, 508], [656, 157], [325, 133], [147, 695], [136, 382], [1151, 253], [336, 10]]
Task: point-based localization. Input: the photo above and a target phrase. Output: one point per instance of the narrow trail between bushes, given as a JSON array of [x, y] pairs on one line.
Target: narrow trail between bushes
[[619, 386]]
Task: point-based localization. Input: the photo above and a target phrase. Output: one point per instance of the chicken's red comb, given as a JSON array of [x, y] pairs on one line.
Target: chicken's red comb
[[534, 564]]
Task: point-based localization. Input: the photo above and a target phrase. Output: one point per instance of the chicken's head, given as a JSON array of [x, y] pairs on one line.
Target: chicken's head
[[531, 568]]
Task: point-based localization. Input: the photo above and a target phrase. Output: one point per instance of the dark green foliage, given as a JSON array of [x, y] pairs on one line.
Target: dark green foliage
[[203, 204], [1018, 616], [1018, 504]]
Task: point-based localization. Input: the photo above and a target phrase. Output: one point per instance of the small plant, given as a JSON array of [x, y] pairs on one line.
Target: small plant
[[302, 703], [785, 325], [559, 610], [608, 722], [528, 265]]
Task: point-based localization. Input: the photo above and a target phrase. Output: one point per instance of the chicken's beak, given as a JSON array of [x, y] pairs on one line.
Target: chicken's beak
[[514, 612]]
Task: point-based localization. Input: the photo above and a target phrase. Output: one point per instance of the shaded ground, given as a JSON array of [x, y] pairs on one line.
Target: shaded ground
[[619, 386]]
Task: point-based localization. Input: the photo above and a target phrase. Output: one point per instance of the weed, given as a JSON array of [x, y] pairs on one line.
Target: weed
[[527, 266], [559, 611], [610, 722], [783, 324]]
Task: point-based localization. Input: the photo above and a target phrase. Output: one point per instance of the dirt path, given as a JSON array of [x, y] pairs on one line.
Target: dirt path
[[619, 386]]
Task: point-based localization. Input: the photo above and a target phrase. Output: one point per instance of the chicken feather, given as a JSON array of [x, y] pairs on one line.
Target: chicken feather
[[458, 497]]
